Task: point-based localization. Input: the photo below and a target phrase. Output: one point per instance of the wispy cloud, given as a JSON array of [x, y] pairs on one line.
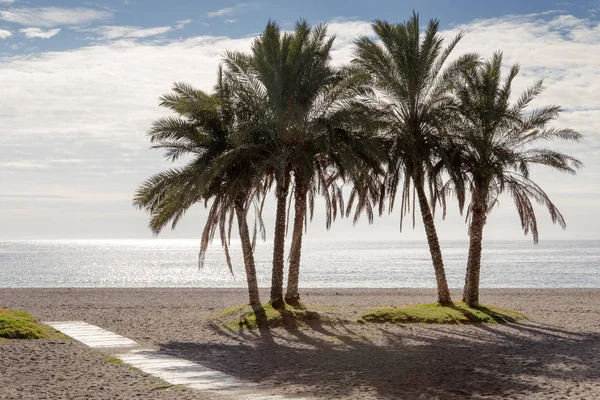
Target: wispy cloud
[[181, 24], [230, 21], [33, 33], [230, 11], [39, 164], [4, 34], [7, 1], [22, 165], [594, 9], [30, 196], [48, 17], [127, 32]]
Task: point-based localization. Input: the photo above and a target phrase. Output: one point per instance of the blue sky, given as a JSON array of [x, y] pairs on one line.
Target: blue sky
[[81, 79], [180, 19]]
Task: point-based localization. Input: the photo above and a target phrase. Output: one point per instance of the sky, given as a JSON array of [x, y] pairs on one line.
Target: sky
[[80, 82]]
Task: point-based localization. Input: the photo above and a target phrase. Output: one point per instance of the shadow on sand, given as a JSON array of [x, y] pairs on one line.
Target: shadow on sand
[[496, 316], [408, 361]]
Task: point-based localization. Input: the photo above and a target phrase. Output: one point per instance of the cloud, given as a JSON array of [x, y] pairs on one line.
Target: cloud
[[94, 105], [4, 34], [230, 11], [126, 32], [594, 8], [21, 165], [230, 21], [562, 50], [181, 24], [32, 33], [106, 90], [7, 1], [346, 31], [29, 196], [48, 17]]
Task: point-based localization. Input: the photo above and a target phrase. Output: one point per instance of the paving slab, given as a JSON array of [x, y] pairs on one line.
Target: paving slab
[[92, 335]]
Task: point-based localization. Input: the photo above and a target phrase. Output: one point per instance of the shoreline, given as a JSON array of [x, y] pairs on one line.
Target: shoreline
[[318, 289], [552, 355]]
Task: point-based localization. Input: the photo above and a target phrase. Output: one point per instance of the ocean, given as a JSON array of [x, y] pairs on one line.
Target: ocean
[[380, 264]]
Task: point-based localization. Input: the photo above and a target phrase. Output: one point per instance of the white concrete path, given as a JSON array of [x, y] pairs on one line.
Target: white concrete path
[[173, 370], [179, 371], [91, 335]]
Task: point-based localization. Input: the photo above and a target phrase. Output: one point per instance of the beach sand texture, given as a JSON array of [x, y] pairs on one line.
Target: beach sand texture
[[555, 355]]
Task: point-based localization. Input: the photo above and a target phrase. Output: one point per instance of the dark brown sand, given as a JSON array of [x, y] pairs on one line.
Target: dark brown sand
[[554, 355]]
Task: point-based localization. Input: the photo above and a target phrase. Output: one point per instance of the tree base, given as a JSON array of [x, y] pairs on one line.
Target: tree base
[[294, 301], [472, 304], [270, 317], [277, 304]]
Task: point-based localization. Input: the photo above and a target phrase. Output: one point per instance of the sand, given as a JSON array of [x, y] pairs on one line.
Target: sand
[[554, 355]]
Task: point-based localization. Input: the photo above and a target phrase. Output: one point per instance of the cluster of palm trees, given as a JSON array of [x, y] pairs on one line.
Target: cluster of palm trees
[[401, 117]]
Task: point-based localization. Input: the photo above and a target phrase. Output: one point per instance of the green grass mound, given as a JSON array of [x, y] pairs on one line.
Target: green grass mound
[[433, 313], [268, 316], [20, 325]]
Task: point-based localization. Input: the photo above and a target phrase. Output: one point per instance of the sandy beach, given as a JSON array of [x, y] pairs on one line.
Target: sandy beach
[[554, 355]]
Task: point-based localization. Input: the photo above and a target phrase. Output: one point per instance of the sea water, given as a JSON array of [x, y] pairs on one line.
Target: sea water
[[340, 264]]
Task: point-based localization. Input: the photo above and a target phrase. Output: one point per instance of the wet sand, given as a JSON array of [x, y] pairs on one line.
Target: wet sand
[[554, 355]]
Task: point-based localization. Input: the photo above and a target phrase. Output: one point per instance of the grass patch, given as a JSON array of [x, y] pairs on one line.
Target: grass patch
[[20, 325], [120, 363], [114, 360], [232, 310], [268, 316], [433, 313]]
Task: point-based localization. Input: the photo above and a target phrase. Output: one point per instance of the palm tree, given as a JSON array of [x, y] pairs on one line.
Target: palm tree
[[493, 151], [219, 171], [298, 100], [339, 144], [407, 68]]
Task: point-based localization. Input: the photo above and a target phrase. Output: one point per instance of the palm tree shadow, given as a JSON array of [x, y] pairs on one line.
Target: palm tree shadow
[[263, 324], [336, 360], [496, 316]]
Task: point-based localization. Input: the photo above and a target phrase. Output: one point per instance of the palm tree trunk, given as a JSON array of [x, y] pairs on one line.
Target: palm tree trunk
[[466, 287], [478, 218], [292, 295], [281, 192], [248, 257], [434, 245]]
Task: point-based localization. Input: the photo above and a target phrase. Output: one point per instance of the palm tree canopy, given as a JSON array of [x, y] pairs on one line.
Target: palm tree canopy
[[495, 142], [279, 81], [219, 170], [413, 82], [199, 130], [303, 111]]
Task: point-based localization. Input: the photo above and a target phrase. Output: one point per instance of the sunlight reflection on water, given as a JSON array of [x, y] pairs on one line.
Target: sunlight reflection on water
[[392, 264]]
